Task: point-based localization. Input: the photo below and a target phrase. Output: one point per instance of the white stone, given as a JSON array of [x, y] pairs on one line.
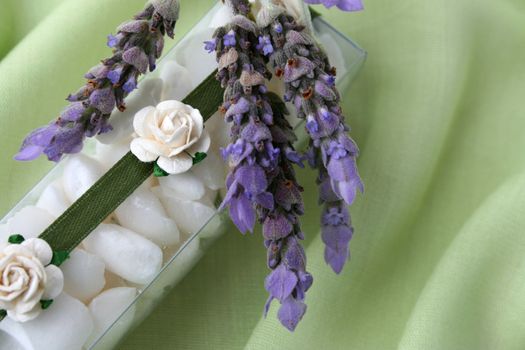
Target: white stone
[[177, 81], [83, 275], [107, 307], [109, 155], [147, 94], [80, 173], [29, 222], [210, 197], [53, 199], [125, 253], [191, 55], [190, 216], [9, 342], [143, 213], [183, 186], [222, 17], [211, 171], [65, 325]]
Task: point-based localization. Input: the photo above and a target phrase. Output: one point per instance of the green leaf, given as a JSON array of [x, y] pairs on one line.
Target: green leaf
[[199, 157], [158, 171], [16, 239], [59, 257], [46, 303], [3, 314]]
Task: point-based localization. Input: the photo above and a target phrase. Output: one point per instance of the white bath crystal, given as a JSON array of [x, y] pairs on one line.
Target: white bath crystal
[[83, 275], [147, 94], [109, 155], [210, 197], [177, 81], [65, 325], [53, 199], [190, 216], [29, 222], [191, 55], [221, 17], [80, 173], [125, 253], [211, 171], [108, 306], [143, 213], [8, 342], [184, 186]]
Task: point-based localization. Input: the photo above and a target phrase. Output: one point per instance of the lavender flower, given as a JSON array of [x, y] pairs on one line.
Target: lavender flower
[[210, 46], [229, 39], [136, 47], [112, 41], [310, 85], [265, 45], [345, 5], [262, 183]]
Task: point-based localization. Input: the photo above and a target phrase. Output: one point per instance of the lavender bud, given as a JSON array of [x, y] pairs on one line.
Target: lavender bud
[[260, 153], [310, 85]]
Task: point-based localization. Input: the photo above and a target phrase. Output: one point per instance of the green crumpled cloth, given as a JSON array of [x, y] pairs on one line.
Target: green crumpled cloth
[[438, 257]]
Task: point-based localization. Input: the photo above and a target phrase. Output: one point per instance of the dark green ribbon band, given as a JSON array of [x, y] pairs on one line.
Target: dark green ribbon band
[[79, 220]]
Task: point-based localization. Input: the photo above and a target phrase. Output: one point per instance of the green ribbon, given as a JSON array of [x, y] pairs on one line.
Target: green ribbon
[[79, 220]]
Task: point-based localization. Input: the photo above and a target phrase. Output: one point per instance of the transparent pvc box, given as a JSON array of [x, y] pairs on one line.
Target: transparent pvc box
[[107, 330]]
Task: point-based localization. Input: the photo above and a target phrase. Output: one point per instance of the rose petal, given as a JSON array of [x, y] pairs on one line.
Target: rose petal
[[138, 148], [198, 121], [25, 316], [175, 165], [140, 121], [202, 144], [179, 150], [41, 249], [55, 282], [170, 105]]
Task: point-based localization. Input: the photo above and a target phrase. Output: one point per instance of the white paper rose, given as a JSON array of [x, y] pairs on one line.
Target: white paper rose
[[25, 278], [171, 133]]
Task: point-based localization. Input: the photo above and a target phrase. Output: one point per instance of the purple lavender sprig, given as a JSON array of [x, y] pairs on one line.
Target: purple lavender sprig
[[262, 181], [136, 46], [310, 85]]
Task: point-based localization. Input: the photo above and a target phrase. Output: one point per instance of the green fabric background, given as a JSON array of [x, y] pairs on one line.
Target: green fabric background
[[438, 259]]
